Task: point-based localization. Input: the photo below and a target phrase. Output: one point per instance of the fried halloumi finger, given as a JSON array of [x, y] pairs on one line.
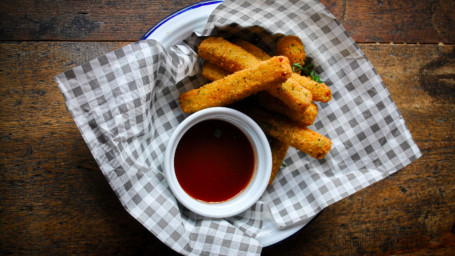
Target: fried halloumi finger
[[271, 103], [212, 72], [299, 137], [293, 94], [226, 55], [291, 47], [237, 86]]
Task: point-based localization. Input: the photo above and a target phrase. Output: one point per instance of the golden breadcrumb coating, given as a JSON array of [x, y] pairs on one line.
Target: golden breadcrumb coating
[[291, 47], [271, 103], [237, 86], [286, 131]]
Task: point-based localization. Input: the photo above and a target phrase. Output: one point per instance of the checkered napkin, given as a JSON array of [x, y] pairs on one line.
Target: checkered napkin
[[125, 105]]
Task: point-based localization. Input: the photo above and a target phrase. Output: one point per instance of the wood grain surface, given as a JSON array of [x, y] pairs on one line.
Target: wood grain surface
[[365, 20], [55, 201]]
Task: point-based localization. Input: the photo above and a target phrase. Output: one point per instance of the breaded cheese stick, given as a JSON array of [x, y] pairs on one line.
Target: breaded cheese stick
[[237, 86], [226, 55], [212, 72], [293, 94], [320, 92], [253, 49], [299, 104], [291, 47], [271, 103], [299, 137], [279, 150]]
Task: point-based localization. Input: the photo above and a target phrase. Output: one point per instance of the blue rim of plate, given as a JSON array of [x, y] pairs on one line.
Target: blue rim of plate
[[169, 17]]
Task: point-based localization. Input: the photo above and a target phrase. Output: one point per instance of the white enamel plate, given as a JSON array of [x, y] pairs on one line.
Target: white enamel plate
[[173, 29]]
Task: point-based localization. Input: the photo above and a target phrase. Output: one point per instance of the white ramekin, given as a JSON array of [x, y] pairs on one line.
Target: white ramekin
[[262, 169]]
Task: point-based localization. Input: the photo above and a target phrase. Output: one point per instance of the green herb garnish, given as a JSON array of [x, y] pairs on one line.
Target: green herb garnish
[[296, 65], [315, 77], [307, 70]]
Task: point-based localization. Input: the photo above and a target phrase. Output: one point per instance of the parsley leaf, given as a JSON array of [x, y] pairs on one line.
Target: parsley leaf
[[296, 65], [307, 70]]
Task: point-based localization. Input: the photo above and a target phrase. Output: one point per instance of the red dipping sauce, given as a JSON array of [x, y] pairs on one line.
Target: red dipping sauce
[[214, 161]]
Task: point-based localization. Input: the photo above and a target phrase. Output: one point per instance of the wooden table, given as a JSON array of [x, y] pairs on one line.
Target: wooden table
[[54, 199]]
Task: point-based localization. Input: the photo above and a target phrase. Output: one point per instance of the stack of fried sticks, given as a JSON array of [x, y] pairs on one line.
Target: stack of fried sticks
[[239, 69]]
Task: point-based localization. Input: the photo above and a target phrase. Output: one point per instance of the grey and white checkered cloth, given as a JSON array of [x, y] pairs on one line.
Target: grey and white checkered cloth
[[125, 104]]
